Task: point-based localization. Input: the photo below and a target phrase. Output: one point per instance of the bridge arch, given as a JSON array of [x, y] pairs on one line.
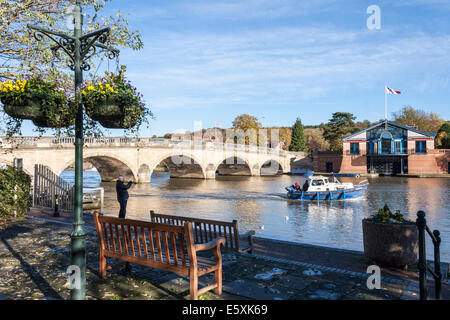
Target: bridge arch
[[180, 165], [109, 166], [238, 166], [271, 167]]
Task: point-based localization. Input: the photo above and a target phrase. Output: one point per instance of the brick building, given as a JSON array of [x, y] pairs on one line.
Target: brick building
[[386, 148]]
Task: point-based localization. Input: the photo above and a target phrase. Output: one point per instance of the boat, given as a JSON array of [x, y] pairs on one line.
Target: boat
[[353, 175], [321, 188], [301, 172]]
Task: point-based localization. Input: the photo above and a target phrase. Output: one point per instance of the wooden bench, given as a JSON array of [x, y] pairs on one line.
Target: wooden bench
[[160, 246], [206, 230]]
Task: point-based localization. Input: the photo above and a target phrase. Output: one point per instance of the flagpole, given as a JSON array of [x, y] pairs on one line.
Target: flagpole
[[385, 103]]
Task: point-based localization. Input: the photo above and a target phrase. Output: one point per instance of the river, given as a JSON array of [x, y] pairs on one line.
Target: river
[[260, 204]]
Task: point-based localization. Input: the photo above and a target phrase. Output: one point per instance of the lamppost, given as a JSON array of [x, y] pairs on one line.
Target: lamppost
[[80, 48]]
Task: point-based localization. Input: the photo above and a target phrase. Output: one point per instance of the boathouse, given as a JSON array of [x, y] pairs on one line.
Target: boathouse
[[386, 148]]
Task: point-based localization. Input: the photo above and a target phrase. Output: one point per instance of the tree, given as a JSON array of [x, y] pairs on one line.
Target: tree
[[422, 120], [341, 124], [298, 140], [250, 125], [245, 122], [443, 137], [315, 140], [361, 125], [22, 55]]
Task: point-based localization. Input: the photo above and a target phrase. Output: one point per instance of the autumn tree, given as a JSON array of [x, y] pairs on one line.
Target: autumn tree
[[248, 126], [298, 140], [425, 121], [315, 139], [443, 137]]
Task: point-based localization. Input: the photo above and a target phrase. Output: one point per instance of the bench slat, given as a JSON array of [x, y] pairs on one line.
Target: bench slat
[[152, 246], [166, 246], [144, 242], [174, 248], [158, 244]]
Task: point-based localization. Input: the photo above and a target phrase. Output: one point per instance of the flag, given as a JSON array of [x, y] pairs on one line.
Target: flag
[[392, 91]]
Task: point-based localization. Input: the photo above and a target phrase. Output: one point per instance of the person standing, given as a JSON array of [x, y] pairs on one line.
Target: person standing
[[122, 195]]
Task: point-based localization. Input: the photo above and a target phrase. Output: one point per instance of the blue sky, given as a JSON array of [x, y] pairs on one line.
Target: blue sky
[[210, 61]]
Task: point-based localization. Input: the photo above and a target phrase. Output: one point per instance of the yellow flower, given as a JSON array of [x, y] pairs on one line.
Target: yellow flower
[[22, 90], [84, 92], [103, 92]]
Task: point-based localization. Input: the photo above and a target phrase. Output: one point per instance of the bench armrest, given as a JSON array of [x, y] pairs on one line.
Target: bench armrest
[[209, 245], [248, 233]]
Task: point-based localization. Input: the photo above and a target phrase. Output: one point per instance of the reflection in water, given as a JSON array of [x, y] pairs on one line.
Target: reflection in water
[[258, 201]]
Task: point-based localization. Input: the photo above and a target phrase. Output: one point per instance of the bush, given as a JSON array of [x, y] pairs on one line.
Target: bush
[[385, 215], [9, 179]]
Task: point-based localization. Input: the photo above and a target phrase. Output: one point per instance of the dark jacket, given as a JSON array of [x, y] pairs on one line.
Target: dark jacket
[[121, 189]]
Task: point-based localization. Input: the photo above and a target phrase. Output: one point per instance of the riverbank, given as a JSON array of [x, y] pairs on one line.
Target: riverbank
[[35, 252]]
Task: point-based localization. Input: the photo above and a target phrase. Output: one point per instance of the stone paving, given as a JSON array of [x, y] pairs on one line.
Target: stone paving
[[34, 256]]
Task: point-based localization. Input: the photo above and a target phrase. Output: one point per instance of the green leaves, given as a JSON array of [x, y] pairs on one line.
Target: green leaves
[[115, 103], [13, 182], [341, 124], [385, 215], [298, 141]]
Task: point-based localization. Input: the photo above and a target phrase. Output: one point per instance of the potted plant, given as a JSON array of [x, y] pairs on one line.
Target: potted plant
[[390, 239], [114, 102], [43, 102]]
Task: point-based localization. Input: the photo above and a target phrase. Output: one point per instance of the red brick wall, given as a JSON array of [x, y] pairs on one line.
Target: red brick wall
[[435, 161], [320, 160], [354, 164]]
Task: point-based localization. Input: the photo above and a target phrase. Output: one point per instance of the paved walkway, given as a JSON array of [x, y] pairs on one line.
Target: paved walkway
[[34, 255]]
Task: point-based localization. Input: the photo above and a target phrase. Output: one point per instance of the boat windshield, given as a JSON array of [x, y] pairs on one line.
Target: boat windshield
[[317, 183]]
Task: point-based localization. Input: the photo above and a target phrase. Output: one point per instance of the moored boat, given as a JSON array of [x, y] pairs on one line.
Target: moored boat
[[301, 172], [321, 188]]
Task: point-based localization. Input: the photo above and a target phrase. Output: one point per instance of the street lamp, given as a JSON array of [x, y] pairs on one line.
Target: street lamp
[[80, 48]]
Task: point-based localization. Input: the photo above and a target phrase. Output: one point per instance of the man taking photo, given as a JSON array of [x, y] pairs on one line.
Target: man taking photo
[[122, 195]]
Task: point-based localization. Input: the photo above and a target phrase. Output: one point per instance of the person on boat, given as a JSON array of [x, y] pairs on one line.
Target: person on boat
[[305, 186], [122, 195], [297, 187]]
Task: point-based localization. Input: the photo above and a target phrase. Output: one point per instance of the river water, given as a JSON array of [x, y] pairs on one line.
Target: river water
[[260, 204]]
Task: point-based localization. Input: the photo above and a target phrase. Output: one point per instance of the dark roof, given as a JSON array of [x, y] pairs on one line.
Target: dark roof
[[377, 124]]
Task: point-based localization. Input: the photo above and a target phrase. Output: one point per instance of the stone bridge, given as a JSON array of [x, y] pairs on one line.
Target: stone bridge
[[136, 158]]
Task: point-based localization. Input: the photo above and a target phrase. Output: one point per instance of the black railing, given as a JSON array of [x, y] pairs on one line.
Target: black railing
[[423, 266]]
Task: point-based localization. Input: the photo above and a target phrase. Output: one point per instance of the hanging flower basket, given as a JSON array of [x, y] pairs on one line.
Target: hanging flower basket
[[114, 102], [34, 99], [28, 109], [107, 109], [130, 118]]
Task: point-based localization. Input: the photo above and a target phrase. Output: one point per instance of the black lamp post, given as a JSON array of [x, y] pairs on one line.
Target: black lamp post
[[79, 48]]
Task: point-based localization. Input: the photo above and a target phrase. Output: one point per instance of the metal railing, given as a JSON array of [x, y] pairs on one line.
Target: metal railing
[[423, 266], [51, 191]]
